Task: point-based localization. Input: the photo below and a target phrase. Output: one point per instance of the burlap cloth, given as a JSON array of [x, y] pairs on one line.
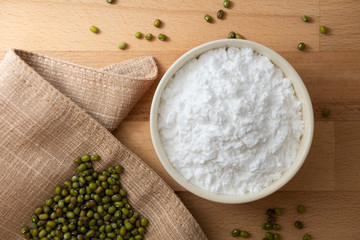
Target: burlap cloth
[[52, 111]]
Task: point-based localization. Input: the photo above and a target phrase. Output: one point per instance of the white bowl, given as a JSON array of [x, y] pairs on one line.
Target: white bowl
[[301, 93]]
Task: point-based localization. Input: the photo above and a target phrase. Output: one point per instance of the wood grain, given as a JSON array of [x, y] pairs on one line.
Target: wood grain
[[325, 217], [342, 19], [347, 158], [328, 183], [59, 25]]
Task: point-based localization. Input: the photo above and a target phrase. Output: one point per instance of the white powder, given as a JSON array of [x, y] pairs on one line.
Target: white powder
[[229, 121]]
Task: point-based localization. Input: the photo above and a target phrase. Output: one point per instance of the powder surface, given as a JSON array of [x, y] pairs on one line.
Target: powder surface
[[230, 122]]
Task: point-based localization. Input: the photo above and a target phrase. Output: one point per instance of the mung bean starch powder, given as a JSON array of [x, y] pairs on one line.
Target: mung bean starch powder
[[230, 121]]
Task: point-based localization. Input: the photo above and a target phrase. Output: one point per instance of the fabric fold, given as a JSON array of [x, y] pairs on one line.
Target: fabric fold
[[44, 126], [106, 94]]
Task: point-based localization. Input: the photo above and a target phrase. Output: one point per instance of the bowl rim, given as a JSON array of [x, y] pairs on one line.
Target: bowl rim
[[298, 86]]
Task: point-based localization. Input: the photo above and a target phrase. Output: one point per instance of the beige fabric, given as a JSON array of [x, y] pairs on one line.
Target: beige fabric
[[107, 94], [42, 130]]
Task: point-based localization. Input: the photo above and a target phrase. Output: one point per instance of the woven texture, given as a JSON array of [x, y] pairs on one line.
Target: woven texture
[[107, 94], [52, 111]]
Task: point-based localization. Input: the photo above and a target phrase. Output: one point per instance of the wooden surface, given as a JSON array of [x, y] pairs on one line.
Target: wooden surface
[[328, 184]]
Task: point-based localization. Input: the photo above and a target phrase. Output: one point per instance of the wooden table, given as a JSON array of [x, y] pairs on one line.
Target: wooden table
[[328, 184]]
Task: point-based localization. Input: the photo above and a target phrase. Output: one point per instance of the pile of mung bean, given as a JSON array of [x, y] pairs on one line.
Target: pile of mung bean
[[149, 36], [271, 224], [301, 46], [234, 35], [299, 225], [90, 205], [236, 233], [220, 14]]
